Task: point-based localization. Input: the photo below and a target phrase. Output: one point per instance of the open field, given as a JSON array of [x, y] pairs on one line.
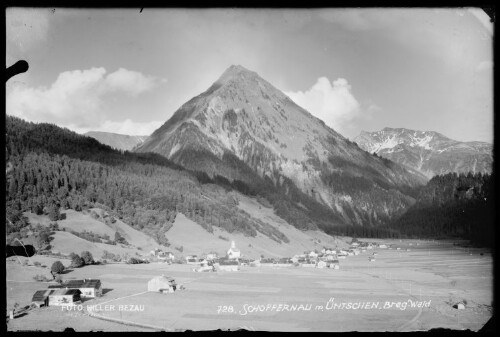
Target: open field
[[439, 273]]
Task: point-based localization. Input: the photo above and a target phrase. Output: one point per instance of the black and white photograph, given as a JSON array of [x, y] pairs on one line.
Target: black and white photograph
[[249, 169]]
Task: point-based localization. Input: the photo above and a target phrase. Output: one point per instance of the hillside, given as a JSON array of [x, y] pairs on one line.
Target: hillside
[[184, 233], [117, 141], [244, 128], [195, 240], [453, 205], [428, 152], [85, 221]]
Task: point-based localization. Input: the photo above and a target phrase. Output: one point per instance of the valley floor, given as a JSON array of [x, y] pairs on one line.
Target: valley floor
[[435, 273]]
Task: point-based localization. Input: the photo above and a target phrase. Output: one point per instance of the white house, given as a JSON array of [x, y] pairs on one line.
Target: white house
[[321, 264], [233, 252], [167, 255], [312, 254], [382, 246]]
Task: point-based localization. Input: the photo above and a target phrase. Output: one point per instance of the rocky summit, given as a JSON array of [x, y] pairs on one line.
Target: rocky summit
[[244, 118], [428, 152]]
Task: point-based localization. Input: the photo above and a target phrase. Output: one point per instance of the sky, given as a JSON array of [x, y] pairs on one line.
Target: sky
[[127, 71]]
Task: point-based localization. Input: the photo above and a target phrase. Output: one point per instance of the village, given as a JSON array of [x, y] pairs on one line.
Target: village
[[73, 292], [180, 292], [233, 259]]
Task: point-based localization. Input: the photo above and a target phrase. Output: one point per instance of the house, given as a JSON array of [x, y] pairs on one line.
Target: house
[[162, 284], [166, 256], [233, 252], [382, 246], [333, 264], [309, 264], [312, 254], [64, 297], [41, 298], [192, 259], [321, 264], [211, 256], [89, 288], [227, 265], [330, 257], [298, 258], [354, 244], [267, 262], [255, 263], [327, 250], [157, 252]]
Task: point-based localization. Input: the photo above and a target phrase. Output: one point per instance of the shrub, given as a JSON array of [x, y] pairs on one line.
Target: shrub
[[134, 260], [77, 261], [110, 256], [41, 278], [57, 267], [120, 239], [87, 257]]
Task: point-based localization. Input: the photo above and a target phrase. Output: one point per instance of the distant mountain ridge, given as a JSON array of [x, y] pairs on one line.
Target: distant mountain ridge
[[428, 152], [244, 124], [117, 141]]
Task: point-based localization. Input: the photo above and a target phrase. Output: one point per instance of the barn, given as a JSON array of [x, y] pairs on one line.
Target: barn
[[89, 288], [64, 297], [41, 298]]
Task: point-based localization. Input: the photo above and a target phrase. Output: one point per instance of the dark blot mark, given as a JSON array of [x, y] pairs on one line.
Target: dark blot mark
[[27, 251], [141, 10], [490, 11], [53, 10], [17, 68]]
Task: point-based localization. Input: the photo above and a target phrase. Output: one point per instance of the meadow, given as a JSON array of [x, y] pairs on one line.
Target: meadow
[[365, 296]]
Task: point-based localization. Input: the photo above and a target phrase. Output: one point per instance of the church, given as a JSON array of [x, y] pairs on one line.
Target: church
[[233, 252]]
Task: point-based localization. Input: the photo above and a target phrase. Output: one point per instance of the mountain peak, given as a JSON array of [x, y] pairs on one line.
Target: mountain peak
[[428, 152], [235, 72]]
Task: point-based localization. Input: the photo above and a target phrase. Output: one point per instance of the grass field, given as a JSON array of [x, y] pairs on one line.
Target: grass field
[[435, 272]]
